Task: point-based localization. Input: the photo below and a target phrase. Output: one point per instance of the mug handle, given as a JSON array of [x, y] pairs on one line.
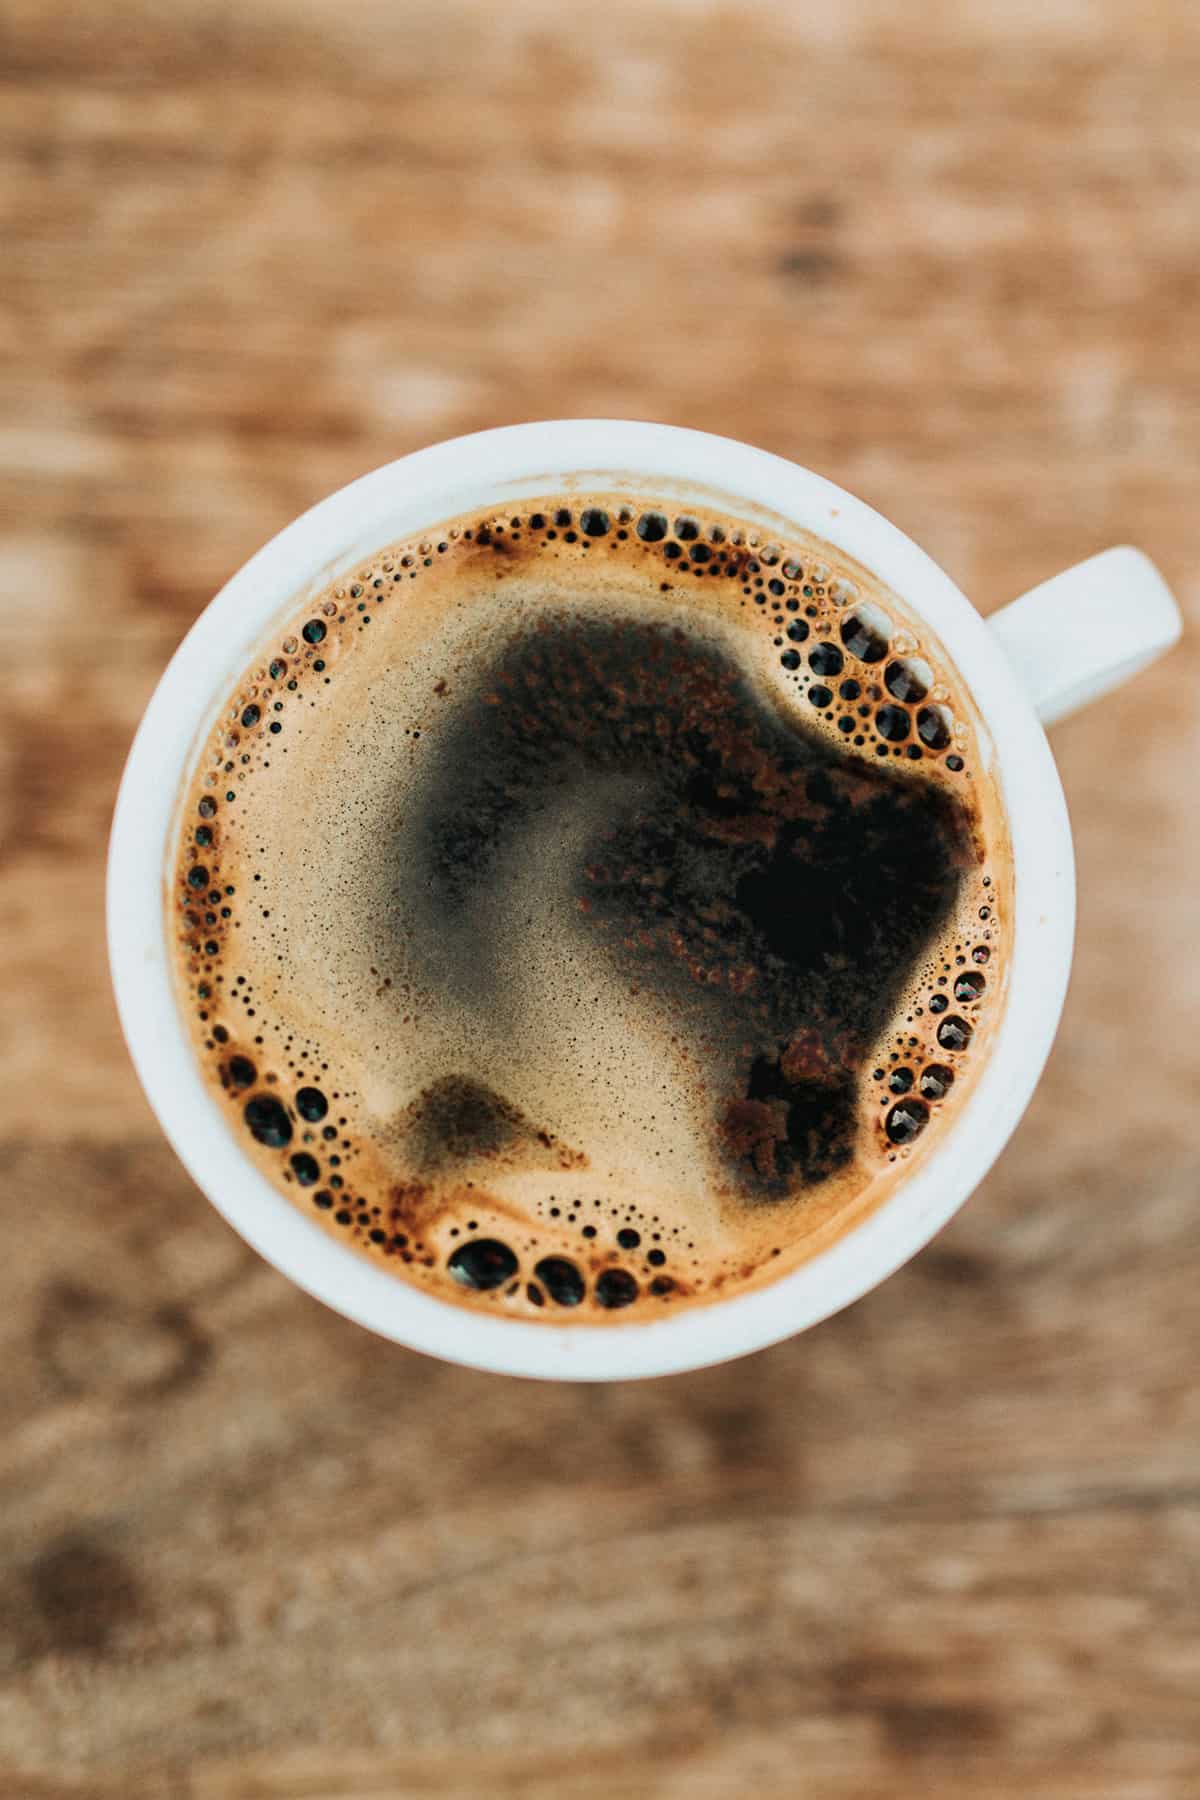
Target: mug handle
[[1082, 633]]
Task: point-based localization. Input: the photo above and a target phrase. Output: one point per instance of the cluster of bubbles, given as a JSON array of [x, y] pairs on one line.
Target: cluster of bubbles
[[490, 1263], [938, 1031], [859, 671]]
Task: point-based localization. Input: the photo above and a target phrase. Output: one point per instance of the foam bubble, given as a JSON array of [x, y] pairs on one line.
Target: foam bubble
[[866, 633]]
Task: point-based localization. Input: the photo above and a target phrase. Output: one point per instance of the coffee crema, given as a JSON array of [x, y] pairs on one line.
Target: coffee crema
[[591, 909]]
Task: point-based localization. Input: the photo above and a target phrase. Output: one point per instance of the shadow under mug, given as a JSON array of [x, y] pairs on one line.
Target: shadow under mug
[[1060, 646]]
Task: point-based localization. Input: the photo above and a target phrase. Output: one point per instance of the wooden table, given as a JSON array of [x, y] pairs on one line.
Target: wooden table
[[947, 1543]]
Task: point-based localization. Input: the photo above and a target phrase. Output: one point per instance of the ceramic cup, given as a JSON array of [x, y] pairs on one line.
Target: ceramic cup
[[1058, 647]]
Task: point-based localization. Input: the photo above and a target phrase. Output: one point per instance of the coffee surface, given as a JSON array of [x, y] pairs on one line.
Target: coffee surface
[[591, 910]]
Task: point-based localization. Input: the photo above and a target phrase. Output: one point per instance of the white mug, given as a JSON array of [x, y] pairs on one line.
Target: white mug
[[1065, 643]]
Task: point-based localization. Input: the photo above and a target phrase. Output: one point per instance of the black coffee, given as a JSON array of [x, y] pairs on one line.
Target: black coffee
[[590, 910]]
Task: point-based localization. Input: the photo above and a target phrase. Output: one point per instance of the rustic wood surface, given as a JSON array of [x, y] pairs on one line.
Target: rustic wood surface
[[947, 1543]]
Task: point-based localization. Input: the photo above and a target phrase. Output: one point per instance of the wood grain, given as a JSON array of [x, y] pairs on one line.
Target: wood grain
[[945, 1543]]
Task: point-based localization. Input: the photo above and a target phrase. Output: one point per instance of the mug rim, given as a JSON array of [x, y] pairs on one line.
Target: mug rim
[[416, 492]]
